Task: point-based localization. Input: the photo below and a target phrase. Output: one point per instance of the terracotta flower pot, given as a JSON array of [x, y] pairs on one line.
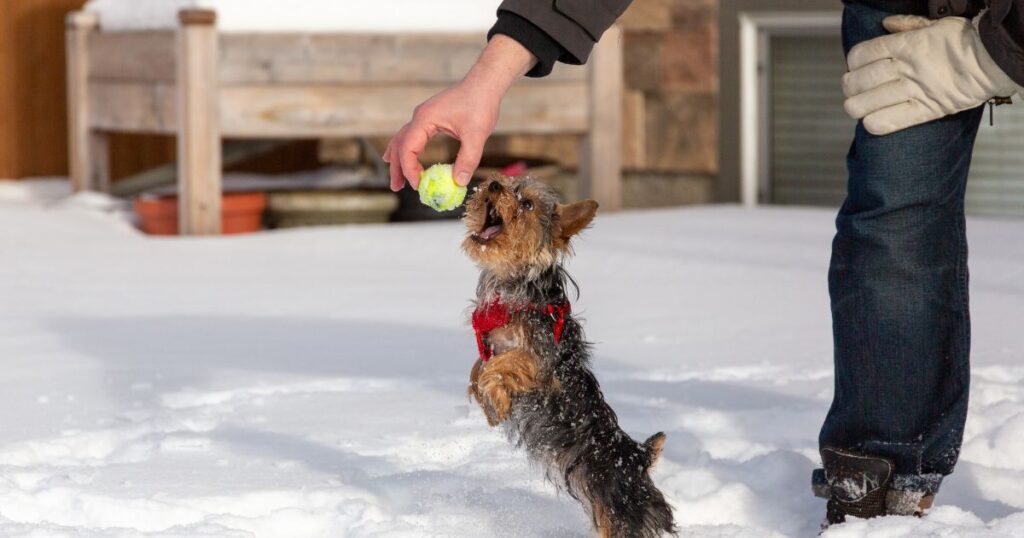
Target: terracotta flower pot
[[241, 212]]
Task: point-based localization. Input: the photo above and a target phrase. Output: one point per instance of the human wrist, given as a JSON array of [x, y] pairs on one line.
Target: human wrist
[[546, 50], [502, 62]]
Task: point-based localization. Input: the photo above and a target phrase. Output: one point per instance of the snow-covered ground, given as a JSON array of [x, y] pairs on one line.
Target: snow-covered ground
[[311, 383]]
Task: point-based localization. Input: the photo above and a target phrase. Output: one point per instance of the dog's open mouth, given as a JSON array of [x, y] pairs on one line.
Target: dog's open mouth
[[493, 225]]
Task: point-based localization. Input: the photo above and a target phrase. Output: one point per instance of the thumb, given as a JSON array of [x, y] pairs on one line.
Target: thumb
[[471, 149], [906, 23]]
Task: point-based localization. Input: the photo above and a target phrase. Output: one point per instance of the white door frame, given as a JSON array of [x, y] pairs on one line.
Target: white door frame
[[756, 30]]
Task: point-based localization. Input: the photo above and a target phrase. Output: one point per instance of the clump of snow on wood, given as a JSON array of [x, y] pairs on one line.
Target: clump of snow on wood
[[386, 16], [304, 383]]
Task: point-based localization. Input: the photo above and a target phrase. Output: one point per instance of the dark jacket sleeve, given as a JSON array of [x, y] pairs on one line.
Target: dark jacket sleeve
[[542, 46], [575, 25], [1002, 32]]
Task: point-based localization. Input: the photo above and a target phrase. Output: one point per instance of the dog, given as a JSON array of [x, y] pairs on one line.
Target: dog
[[533, 376]]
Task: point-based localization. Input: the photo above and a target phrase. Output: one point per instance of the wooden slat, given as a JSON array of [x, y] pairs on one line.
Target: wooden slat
[[132, 107], [301, 58], [310, 111], [134, 56], [354, 58]]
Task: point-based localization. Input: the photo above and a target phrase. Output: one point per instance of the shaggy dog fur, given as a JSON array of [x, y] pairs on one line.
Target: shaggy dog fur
[[537, 384]]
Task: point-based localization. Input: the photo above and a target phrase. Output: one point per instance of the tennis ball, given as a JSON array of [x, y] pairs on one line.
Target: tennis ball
[[438, 189]]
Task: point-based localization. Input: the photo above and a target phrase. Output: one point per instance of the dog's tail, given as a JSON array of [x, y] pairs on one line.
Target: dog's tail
[[626, 503]]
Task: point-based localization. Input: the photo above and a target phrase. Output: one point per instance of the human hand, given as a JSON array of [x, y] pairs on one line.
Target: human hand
[[468, 111], [465, 112], [924, 70]]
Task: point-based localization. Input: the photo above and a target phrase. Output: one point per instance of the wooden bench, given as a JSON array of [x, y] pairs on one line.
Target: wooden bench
[[203, 86]]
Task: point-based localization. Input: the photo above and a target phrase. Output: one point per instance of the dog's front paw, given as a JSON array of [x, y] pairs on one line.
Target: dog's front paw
[[497, 396], [504, 376], [476, 392]]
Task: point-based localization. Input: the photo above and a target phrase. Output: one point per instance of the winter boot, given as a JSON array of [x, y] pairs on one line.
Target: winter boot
[[908, 503], [861, 486], [857, 484]]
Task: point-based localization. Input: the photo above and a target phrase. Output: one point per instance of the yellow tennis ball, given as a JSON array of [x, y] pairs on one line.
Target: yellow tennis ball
[[438, 189]]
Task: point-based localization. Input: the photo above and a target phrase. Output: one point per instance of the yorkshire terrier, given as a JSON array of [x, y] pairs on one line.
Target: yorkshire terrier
[[533, 375]]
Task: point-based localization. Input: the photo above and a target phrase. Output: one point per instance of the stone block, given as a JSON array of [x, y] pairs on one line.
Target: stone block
[[561, 149], [634, 131], [648, 190], [694, 13], [642, 63], [682, 132], [648, 15], [689, 59]]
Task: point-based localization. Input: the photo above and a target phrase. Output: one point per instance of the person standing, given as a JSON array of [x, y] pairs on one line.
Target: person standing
[[920, 73]]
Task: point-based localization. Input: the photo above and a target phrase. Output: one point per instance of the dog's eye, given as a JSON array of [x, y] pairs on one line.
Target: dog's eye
[[528, 205]]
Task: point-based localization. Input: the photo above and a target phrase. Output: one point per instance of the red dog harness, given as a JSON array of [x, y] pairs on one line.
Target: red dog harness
[[496, 314]]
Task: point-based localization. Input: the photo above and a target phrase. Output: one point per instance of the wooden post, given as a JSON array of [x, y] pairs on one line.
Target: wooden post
[[601, 162], [199, 158], [88, 156]]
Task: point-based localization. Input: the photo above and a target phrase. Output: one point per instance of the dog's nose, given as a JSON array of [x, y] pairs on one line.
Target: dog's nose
[[495, 187]]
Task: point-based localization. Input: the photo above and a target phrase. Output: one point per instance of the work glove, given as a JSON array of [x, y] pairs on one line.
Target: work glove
[[923, 70]]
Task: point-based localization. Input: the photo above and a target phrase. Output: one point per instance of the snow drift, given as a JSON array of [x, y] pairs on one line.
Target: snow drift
[[307, 383]]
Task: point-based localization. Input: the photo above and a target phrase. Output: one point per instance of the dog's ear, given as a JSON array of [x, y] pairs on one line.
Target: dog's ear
[[573, 218]]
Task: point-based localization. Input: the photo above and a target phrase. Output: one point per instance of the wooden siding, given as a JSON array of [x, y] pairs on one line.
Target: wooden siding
[[32, 127], [33, 117]]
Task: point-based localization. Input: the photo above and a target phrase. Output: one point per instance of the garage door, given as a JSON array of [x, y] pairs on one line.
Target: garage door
[[810, 134]]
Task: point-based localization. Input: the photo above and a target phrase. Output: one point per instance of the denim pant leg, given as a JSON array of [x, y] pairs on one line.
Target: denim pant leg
[[898, 283]]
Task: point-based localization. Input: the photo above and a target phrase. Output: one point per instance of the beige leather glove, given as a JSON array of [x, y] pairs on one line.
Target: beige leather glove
[[924, 70]]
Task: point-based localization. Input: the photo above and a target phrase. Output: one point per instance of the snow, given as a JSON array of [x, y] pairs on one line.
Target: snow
[[385, 16], [312, 383]]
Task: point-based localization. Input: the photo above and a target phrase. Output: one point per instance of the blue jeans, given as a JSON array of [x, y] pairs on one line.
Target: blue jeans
[[898, 283]]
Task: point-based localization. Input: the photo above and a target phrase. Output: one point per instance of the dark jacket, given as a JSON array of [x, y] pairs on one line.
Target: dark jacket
[[566, 30]]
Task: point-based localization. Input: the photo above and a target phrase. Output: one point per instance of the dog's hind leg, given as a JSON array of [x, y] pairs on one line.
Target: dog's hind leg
[[602, 522]]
